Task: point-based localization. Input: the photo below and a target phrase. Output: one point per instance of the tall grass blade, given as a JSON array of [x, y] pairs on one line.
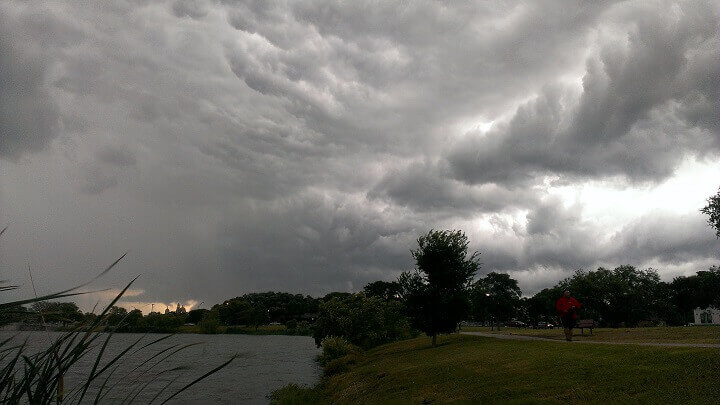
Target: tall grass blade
[[202, 377]]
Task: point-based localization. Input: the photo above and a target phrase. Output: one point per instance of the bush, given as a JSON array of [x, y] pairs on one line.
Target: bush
[[303, 328], [339, 366], [334, 348], [363, 321], [291, 325]]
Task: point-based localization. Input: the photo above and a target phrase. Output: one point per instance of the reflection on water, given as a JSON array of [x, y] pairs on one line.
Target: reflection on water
[[265, 364]]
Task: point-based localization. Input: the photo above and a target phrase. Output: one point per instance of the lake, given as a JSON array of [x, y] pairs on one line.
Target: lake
[[265, 363]]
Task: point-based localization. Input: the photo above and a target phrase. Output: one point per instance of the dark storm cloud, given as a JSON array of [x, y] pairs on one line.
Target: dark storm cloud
[[425, 187], [315, 243], [645, 104], [117, 156], [664, 238], [97, 180], [28, 117], [236, 146], [353, 76], [189, 8]]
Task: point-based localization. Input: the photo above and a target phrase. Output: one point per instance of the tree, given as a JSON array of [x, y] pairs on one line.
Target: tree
[[57, 312], [497, 297], [541, 306], [387, 290], [259, 316], [236, 311], [196, 315], [116, 315], [712, 210], [436, 294], [624, 295], [698, 291]]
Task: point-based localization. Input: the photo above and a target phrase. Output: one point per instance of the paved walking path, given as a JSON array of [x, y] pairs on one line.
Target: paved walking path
[[521, 337]]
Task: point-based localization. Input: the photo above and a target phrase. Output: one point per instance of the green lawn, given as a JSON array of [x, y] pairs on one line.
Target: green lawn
[[470, 368], [678, 334]]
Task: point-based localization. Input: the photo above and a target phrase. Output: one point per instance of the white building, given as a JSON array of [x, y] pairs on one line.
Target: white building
[[707, 316]]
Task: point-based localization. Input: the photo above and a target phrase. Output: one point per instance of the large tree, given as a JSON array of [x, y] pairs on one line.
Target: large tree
[[712, 210], [496, 298], [387, 290], [436, 294]]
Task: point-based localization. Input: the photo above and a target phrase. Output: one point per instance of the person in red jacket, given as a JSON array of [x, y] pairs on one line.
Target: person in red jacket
[[567, 307]]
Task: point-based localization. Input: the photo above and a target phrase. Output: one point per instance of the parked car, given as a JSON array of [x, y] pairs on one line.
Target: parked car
[[544, 325], [516, 324]]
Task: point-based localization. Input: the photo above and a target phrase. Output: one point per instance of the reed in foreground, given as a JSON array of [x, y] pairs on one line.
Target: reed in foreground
[[39, 377]]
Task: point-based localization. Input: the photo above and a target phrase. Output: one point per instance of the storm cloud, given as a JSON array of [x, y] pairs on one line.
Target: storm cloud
[[634, 116], [236, 146]]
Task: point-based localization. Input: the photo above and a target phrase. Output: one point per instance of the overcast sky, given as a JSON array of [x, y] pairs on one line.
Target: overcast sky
[[235, 146]]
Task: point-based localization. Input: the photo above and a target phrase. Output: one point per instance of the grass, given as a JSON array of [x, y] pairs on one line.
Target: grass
[[667, 334], [476, 369]]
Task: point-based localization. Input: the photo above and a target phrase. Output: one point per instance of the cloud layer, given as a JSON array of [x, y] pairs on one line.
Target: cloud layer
[[235, 146]]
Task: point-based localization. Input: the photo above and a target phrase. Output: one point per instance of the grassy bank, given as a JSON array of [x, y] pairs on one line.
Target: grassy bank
[[679, 334], [469, 368]]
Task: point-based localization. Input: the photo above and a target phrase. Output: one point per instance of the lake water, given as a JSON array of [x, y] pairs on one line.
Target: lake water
[[265, 363]]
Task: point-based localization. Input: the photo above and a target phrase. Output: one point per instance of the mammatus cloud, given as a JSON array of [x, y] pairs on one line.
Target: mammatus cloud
[[236, 146], [645, 103]]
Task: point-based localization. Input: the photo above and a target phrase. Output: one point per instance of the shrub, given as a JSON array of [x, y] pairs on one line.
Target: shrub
[[303, 328], [363, 321], [338, 366], [334, 348], [291, 325]]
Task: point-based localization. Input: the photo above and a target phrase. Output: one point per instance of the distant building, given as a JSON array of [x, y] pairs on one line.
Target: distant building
[[180, 310], [707, 316]]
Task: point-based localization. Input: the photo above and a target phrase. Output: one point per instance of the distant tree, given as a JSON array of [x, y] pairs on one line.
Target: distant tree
[[196, 315], [209, 324], [699, 291], [283, 306], [162, 323], [361, 320], [336, 294], [57, 312], [386, 290], [16, 313], [236, 311], [436, 294], [259, 316], [496, 296], [116, 315], [622, 296], [712, 210], [541, 306]]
